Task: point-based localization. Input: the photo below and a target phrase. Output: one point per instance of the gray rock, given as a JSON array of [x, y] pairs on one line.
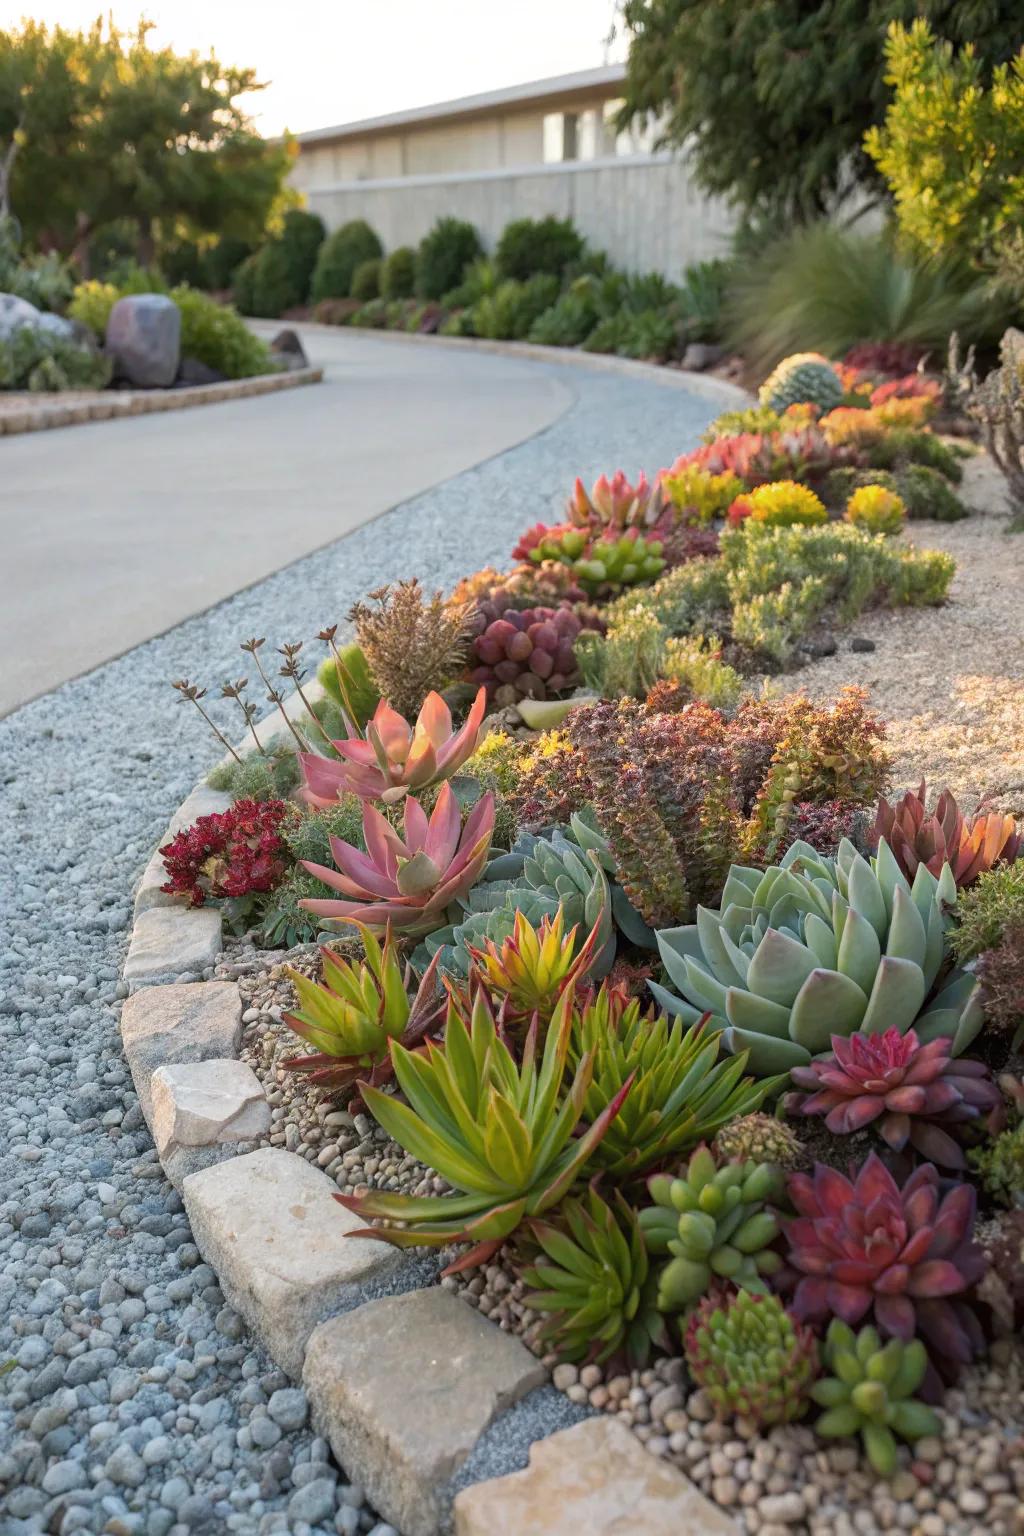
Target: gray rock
[[16, 313], [314, 1502], [861, 643], [164, 1025], [700, 355], [289, 1407], [288, 350], [192, 371], [168, 942], [144, 337]]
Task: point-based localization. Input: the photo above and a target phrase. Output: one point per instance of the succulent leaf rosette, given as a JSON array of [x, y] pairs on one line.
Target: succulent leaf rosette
[[869, 1389], [528, 972], [615, 504], [969, 845], [750, 1356], [394, 758], [903, 1256], [406, 881], [911, 1093], [813, 947]]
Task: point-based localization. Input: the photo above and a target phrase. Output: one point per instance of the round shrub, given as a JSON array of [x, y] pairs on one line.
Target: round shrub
[[444, 254], [243, 285], [339, 256], [301, 238], [876, 509], [398, 274], [528, 246], [784, 503], [366, 280], [91, 304], [219, 263], [509, 312], [215, 334], [274, 289]]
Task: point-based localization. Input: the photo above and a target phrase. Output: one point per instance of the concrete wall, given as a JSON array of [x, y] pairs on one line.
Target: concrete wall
[[643, 210]]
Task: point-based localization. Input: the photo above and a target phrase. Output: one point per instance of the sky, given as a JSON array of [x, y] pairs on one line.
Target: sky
[[333, 61]]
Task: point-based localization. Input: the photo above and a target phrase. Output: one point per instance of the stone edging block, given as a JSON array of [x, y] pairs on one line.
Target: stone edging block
[[595, 1479], [168, 943], [167, 1025], [269, 1225], [39, 414], [403, 1388]]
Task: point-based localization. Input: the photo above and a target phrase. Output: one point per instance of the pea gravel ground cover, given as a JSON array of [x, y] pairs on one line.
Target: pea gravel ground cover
[[136, 1404]]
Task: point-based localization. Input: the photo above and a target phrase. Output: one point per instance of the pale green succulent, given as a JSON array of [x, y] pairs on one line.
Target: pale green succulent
[[814, 947]]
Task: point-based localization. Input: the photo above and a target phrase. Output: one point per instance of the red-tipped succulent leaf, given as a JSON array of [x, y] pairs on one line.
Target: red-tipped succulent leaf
[[969, 844]]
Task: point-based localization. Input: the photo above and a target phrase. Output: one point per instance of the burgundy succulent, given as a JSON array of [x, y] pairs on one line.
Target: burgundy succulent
[[905, 1256], [910, 1092], [230, 854], [527, 654], [969, 844]]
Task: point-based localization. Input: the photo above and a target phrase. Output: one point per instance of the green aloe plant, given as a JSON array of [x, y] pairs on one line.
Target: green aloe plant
[[681, 1092], [813, 947], [499, 1131]]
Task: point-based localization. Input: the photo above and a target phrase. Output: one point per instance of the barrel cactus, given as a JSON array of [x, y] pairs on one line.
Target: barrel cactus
[[762, 1138], [802, 378], [815, 947], [714, 1225], [750, 1357]]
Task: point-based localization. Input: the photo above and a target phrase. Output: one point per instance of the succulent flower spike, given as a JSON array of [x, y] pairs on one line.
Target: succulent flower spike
[[910, 1092], [501, 1132], [351, 1018], [590, 1272], [407, 882], [394, 757], [904, 1256], [814, 947], [714, 1224], [528, 973], [970, 845], [870, 1390], [750, 1356]]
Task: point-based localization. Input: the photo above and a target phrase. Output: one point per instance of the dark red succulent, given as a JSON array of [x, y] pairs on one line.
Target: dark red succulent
[[971, 845], [527, 653], [904, 1256], [229, 854], [908, 1091], [892, 357]]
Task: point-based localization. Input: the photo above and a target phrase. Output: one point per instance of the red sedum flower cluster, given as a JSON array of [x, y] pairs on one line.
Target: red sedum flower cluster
[[232, 853]]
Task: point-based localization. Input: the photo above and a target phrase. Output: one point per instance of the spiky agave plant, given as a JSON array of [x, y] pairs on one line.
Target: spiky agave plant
[[498, 1130], [529, 971]]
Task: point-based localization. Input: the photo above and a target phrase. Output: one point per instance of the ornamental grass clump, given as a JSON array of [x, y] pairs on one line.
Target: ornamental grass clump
[[911, 1093], [869, 1389], [900, 1255], [714, 1223], [750, 1357], [681, 1094], [588, 1272], [358, 1010], [392, 757], [970, 845], [501, 1132]]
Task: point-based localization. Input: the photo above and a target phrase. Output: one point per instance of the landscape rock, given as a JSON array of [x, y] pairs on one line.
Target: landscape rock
[[168, 942], [700, 355], [403, 1388], [595, 1478], [16, 313], [192, 371], [268, 1224], [165, 1025], [144, 336], [861, 643], [198, 1102], [288, 350]]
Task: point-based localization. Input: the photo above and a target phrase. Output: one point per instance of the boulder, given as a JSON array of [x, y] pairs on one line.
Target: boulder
[[15, 313], [192, 371], [288, 350], [144, 338]]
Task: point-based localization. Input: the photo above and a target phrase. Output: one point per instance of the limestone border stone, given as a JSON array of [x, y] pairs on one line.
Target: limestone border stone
[[37, 413]]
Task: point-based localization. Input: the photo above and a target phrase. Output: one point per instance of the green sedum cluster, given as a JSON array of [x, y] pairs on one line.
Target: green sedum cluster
[[751, 1358], [870, 1391]]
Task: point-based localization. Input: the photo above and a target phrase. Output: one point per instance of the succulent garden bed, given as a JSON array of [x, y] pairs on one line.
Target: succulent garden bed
[[636, 991]]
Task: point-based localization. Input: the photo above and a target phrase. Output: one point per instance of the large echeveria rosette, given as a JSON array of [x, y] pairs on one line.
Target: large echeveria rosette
[[815, 947]]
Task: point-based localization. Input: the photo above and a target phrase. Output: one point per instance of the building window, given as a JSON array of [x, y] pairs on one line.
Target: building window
[[560, 137]]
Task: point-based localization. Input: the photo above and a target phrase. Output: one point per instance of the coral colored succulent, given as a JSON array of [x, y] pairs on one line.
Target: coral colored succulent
[[970, 845], [358, 1010], [797, 453], [231, 854], [911, 1093], [750, 1357], [526, 654], [912, 386], [394, 757], [551, 541], [870, 1390], [530, 970], [866, 1247], [615, 504], [407, 881]]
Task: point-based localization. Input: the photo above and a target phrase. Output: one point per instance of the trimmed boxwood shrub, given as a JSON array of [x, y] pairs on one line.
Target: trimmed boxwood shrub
[[219, 263], [398, 274], [217, 336], [444, 254], [302, 235], [274, 288], [509, 312], [366, 280], [528, 246], [339, 256]]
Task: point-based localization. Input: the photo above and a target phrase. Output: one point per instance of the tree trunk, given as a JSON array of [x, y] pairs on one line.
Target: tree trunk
[[6, 168], [80, 249], [146, 245]]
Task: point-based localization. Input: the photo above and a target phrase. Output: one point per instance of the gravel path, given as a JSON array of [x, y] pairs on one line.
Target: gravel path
[[138, 1404], [950, 680]]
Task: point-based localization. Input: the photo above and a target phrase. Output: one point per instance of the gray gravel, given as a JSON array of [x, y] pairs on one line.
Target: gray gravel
[[138, 1403]]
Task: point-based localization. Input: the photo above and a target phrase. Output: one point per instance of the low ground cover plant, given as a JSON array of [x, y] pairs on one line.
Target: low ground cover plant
[[708, 1037]]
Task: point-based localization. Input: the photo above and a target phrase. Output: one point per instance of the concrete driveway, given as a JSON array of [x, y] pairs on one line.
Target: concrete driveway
[[117, 531]]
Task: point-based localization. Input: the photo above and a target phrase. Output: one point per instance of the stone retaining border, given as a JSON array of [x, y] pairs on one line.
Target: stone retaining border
[[449, 1424], [39, 413]]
